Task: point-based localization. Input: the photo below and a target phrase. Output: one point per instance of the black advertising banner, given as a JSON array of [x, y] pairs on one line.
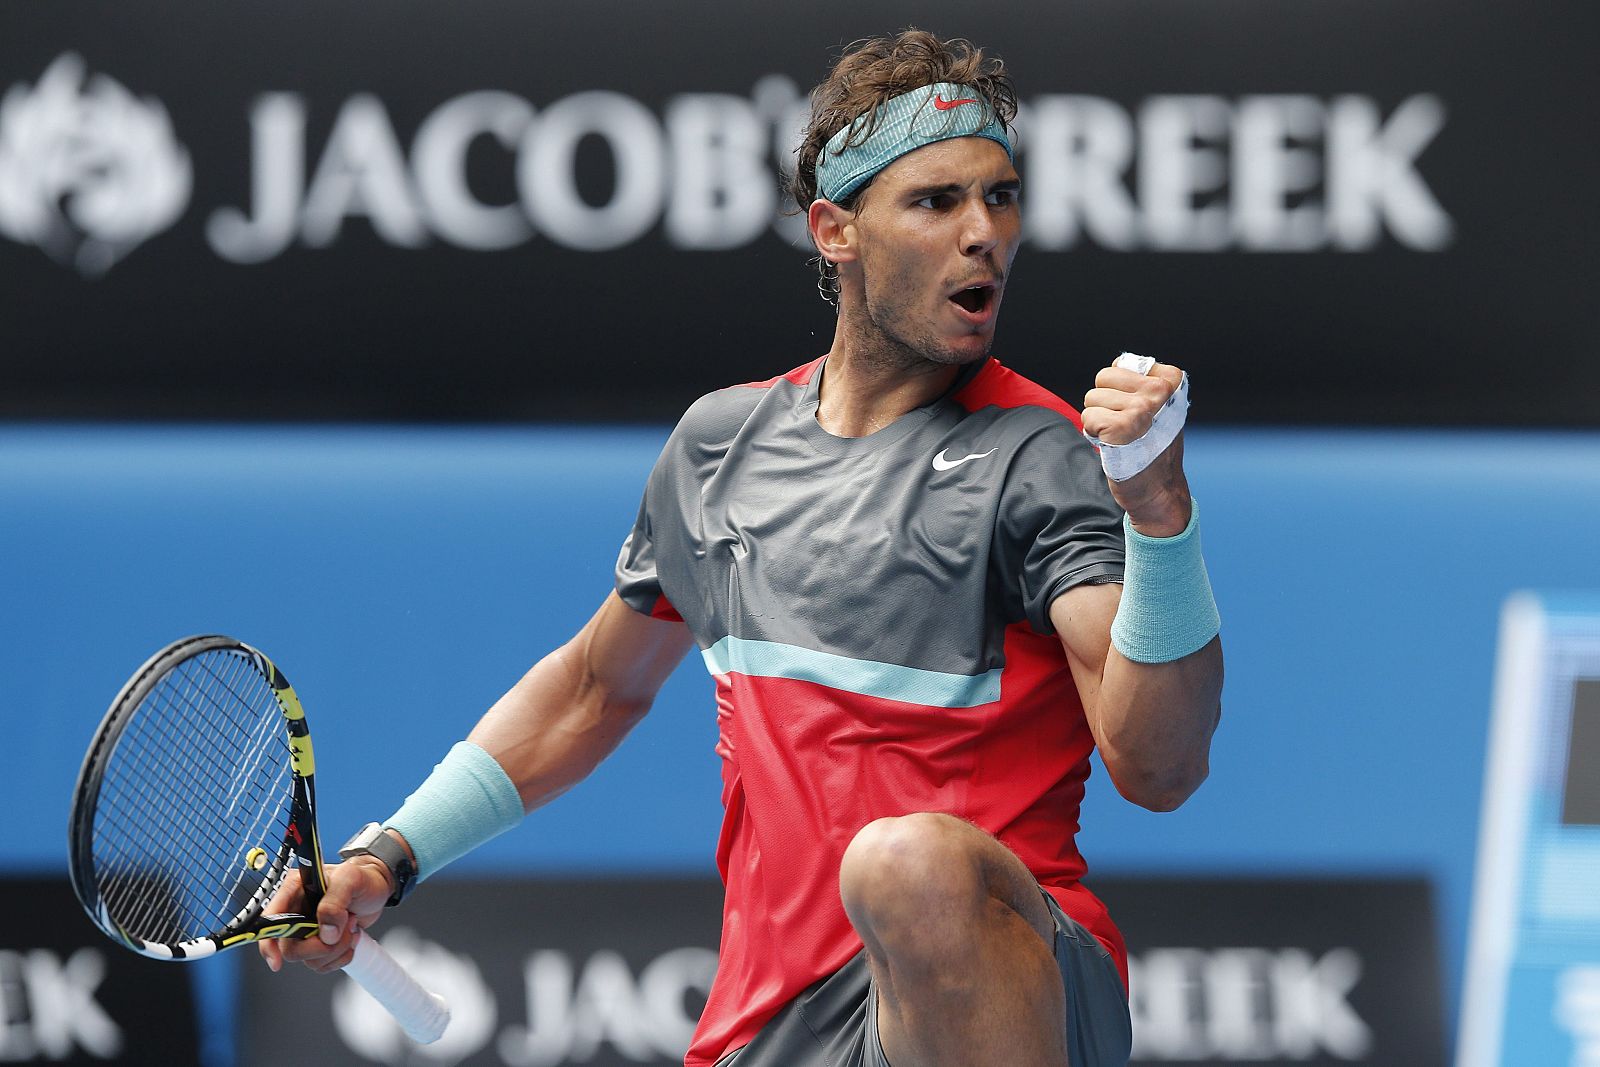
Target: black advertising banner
[[615, 972], [1272, 970], [1329, 211], [68, 995], [612, 973]]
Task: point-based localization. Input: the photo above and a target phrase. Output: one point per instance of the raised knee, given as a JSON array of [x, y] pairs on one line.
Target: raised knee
[[904, 871]]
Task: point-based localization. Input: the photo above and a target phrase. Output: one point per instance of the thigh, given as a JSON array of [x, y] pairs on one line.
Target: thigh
[[1099, 1027], [834, 1023], [959, 941]]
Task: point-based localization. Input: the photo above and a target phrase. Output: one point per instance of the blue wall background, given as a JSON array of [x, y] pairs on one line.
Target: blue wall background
[[405, 577]]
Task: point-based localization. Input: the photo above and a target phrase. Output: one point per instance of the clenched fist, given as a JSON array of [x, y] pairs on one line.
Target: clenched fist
[[1120, 410]]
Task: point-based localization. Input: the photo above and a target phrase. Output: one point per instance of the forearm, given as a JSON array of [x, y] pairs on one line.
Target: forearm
[[1153, 690], [555, 725], [564, 716], [536, 742], [1155, 724]]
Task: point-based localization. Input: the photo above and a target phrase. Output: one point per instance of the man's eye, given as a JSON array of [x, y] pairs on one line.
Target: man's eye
[[1002, 197], [932, 203]]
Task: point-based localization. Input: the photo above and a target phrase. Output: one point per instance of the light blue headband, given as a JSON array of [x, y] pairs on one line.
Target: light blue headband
[[906, 122]]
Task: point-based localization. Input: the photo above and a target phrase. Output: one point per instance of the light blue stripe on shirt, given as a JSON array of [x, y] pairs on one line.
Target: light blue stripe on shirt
[[890, 681]]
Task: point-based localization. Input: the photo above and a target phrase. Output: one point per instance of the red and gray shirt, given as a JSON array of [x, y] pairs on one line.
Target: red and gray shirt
[[875, 612]]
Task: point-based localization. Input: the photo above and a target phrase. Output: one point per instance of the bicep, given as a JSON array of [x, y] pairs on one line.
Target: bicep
[[1082, 620], [575, 706], [628, 654]]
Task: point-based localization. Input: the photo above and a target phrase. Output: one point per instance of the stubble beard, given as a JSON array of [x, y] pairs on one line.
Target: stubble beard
[[896, 336]]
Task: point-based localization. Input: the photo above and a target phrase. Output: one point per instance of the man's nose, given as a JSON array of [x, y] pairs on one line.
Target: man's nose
[[979, 234]]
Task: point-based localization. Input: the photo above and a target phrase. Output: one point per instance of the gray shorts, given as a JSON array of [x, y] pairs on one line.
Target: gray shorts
[[834, 1023]]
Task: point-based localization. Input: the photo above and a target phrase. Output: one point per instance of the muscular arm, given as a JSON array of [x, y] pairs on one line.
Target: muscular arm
[[1152, 721], [548, 732], [577, 704]]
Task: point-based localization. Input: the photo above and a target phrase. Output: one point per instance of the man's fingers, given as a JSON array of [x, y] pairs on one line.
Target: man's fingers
[[301, 950], [316, 953], [355, 895], [289, 897], [311, 952], [335, 962], [269, 953], [1097, 422], [1118, 378], [1124, 403], [1173, 376], [334, 910], [1161, 382], [1110, 399]]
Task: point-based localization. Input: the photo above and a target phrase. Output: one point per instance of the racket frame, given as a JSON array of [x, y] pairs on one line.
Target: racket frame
[[301, 842]]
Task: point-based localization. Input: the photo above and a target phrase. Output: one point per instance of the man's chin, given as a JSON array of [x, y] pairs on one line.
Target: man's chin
[[963, 351]]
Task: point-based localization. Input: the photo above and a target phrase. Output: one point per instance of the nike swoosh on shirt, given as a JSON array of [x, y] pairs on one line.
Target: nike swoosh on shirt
[[945, 105], [940, 463]]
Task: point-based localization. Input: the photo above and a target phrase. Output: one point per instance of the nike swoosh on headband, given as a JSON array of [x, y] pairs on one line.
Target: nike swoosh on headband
[[903, 124]]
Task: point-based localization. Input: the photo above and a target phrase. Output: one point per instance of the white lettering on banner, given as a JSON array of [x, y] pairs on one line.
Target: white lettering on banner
[[1213, 174], [277, 176], [87, 171], [87, 174], [1372, 174], [1079, 147], [569, 1018], [787, 110], [362, 172], [1246, 1004], [1272, 139], [47, 1006], [546, 175], [439, 157], [723, 194], [1182, 161]]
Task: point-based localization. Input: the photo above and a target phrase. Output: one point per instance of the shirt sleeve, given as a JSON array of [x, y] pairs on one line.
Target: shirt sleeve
[[638, 580], [1057, 526], [638, 584], [671, 502]]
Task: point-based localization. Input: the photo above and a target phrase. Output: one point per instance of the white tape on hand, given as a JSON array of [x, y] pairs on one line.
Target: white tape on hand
[[1121, 462], [1137, 364]]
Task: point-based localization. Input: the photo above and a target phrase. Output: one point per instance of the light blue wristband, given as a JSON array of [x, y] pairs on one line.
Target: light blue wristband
[[467, 800], [1167, 609]]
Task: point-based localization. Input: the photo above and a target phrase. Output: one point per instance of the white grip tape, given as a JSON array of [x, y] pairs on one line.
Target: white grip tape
[[421, 1014], [1121, 462]]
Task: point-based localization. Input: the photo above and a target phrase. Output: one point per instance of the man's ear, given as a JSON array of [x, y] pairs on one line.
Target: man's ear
[[832, 231]]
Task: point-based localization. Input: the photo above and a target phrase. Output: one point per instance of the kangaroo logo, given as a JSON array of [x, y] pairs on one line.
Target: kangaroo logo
[[88, 171]]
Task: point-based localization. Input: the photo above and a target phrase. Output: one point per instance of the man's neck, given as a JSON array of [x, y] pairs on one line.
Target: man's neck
[[870, 381]]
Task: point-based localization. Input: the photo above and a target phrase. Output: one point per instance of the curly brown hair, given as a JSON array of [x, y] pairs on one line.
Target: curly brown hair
[[874, 70]]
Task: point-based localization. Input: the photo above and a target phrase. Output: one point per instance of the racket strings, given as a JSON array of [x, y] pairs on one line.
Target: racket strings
[[217, 860], [200, 779], [195, 775], [162, 798], [175, 915]]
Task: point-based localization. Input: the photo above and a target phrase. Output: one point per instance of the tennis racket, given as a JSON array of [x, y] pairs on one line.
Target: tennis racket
[[195, 801]]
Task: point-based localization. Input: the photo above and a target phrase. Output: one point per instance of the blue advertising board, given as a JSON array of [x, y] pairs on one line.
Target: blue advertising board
[[1533, 972]]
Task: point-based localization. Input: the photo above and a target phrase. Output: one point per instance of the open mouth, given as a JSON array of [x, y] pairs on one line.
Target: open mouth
[[974, 299]]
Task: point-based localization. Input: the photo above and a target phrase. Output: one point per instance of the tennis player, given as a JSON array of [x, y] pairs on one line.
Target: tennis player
[[924, 597]]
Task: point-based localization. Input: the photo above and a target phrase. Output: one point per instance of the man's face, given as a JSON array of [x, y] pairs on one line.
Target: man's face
[[937, 230]]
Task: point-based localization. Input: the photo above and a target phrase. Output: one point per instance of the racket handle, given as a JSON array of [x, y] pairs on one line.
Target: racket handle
[[421, 1014]]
